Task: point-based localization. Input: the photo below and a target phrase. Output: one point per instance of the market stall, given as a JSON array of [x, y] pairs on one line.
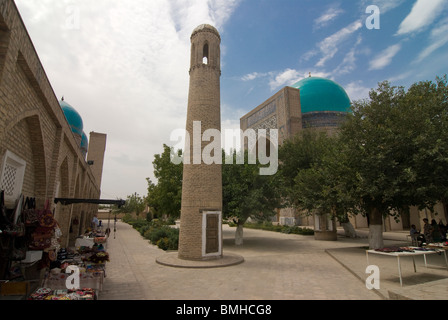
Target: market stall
[[400, 252], [29, 240], [90, 263], [33, 263], [91, 239], [442, 246], [90, 266], [63, 294]]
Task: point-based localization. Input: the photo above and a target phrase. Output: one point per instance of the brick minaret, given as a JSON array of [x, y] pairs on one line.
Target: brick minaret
[[200, 228]]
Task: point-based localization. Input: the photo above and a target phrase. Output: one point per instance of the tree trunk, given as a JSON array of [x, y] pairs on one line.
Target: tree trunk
[[375, 229], [349, 229], [239, 235]]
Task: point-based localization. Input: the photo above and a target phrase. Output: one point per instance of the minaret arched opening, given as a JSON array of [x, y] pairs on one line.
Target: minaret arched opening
[[205, 54]]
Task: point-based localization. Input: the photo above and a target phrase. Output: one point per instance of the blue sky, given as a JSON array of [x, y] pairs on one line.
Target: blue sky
[[123, 64], [270, 44]]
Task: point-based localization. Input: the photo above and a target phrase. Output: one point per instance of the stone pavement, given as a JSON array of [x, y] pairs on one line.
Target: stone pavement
[[276, 266], [429, 282]]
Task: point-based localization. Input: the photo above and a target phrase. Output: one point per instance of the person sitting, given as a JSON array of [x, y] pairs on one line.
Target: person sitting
[[416, 237], [436, 234]]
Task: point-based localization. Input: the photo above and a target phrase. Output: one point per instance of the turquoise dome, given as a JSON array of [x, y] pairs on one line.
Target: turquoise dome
[[73, 117], [319, 94], [84, 142]]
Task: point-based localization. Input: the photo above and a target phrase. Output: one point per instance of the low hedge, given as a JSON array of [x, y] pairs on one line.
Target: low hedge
[[157, 232], [268, 226]]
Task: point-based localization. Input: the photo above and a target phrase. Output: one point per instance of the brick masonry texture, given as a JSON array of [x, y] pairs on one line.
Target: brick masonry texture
[[202, 183]]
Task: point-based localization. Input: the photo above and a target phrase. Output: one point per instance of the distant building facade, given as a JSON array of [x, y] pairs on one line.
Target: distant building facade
[[318, 104], [312, 103]]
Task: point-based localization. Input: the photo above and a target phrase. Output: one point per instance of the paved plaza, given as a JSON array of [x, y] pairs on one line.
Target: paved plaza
[[276, 266]]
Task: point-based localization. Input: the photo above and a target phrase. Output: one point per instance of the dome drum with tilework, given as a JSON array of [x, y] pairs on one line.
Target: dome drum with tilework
[[324, 103]]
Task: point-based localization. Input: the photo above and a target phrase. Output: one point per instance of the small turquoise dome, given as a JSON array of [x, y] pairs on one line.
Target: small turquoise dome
[[84, 143], [73, 117], [320, 94]]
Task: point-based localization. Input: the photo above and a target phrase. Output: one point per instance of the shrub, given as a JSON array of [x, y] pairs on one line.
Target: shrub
[[127, 218], [168, 243], [164, 237], [268, 226]]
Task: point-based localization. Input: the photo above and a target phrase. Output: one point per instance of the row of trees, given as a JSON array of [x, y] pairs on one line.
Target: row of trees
[[390, 154]]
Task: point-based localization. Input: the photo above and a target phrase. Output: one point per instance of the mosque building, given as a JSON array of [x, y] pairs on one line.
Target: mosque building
[[44, 151], [319, 104]]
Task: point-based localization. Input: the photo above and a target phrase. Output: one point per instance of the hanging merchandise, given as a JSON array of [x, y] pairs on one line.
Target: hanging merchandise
[[29, 211], [17, 227], [41, 238], [45, 217], [4, 219]]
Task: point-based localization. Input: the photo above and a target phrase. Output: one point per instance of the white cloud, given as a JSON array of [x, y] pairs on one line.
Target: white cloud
[[423, 13], [286, 77], [356, 91], [124, 66], [384, 5], [349, 62], [329, 15], [308, 55], [290, 76], [329, 46], [438, 38], [253, 76], [385, 57], [401, 76]]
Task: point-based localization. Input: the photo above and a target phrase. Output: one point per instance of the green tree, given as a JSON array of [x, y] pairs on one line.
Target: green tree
[[165, 197], [397, 153], [303, 153], [134, 204], [312, 167], [246, 193]]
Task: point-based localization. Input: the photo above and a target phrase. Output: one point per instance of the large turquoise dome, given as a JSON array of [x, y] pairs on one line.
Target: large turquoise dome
[[320, 94], [73, 117]]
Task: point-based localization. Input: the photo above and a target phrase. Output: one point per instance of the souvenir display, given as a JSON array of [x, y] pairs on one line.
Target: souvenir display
[[30, 238], [403, 249], [29, 211], [63, 294], [45, 217], [91, 264]]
